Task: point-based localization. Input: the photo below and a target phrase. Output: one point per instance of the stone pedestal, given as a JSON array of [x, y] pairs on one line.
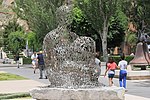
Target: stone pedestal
[[101, 93]]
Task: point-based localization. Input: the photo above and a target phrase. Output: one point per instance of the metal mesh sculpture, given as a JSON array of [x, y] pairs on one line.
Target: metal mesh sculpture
[[69, 58]]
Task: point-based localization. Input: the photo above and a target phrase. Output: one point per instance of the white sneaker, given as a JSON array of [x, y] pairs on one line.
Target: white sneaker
[[126, 90]]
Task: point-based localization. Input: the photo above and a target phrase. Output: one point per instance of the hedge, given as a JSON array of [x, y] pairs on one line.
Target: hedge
[[27, 60], [117, 58]]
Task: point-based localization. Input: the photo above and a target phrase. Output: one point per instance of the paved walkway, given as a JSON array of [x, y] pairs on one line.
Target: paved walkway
[[137, 89], [17, 86], [134, 89]]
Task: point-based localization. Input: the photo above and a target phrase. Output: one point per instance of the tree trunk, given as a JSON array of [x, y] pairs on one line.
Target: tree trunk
[[104, 48], [104, 41]]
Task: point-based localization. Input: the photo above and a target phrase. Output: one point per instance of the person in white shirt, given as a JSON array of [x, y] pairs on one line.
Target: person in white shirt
[[34, 61], [98, 66], [123, 72]]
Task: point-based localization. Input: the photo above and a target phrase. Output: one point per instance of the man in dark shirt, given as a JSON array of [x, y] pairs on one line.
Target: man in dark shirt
[[41, 64]]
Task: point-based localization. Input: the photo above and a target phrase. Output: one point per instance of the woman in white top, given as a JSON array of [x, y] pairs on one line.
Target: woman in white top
[[34, 61], [123, 72]]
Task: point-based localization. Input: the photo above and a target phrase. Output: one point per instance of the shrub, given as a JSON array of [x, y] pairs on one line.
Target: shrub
[[117, 58], [27, 60], [129, 58], [10, 56]]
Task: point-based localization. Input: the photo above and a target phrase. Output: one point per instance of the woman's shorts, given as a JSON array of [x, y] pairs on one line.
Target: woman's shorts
[[111, 75], [33, 62]]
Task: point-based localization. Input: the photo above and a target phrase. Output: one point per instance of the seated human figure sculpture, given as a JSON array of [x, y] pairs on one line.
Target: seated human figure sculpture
[[70, 66], [70, 58]]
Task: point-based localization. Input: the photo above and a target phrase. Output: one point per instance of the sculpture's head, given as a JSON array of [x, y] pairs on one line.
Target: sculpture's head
[[64, 15]]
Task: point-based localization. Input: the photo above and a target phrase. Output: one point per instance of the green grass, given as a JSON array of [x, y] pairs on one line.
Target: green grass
[[15, 96], [8, 76]]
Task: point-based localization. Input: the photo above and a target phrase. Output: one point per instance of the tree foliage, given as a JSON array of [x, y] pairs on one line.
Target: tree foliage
[[12, 26], [118, 26], [31, 38], [131, 38], [81, 26], [98, 13], [138, 12], [17, 41], [40, 15]]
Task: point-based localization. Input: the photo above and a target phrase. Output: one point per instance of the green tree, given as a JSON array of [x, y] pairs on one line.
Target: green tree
[[118, 26], [131, 40], [116, 30], [12, 26], [1, 1], [81, 26], [16, 41], [98, 13], [31, 38], [138, 12], [40, 15]]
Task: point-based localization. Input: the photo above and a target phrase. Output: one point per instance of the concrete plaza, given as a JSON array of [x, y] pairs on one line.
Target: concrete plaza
[[137, 89]]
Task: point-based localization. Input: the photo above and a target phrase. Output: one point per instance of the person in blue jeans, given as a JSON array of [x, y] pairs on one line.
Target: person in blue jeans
[[123, 72], [41, 64]]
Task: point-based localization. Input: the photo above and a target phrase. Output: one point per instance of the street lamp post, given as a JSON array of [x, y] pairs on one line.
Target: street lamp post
[[27, 52], [17, 55], [18, 60], [1, 54]]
